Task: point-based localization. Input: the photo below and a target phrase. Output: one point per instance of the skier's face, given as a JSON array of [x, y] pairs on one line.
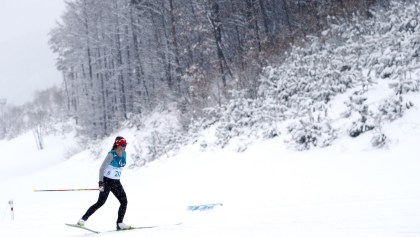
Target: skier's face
[[121, 147]]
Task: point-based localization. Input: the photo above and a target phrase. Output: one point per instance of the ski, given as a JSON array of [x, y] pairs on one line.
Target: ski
[[82, 227], [97, 232], [145, 227], [133, 228]]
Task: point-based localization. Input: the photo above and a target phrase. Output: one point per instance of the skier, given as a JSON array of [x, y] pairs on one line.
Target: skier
[[109, 181]]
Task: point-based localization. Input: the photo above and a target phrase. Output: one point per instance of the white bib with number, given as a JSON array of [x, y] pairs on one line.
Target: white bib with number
[[113, 172]]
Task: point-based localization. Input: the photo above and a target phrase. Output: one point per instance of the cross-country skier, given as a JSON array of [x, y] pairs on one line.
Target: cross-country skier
[[109, 181]]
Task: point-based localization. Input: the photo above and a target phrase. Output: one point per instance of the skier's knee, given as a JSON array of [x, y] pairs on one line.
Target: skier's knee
[[124, 201], [100, 203]]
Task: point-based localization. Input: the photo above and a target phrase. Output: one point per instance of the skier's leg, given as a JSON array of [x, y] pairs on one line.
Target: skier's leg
[[119, 193], [101, 201]]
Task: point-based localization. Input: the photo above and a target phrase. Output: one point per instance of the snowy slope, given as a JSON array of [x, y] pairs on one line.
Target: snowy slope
[[348, 189]]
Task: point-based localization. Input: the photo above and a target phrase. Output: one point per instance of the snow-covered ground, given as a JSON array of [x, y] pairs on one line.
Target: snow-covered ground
[[348, 189]]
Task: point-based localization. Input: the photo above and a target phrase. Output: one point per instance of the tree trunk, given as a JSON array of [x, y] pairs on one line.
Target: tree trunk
[[138, 64], [175, 45], [121, 79], [216, 25]]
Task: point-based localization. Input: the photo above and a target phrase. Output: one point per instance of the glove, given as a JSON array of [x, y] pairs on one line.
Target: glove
[[101, 186]]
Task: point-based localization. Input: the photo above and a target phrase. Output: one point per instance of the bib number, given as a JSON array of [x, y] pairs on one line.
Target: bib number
[[113, 173]]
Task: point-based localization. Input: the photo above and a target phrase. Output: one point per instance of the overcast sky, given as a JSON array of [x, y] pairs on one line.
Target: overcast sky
[[26, 62]]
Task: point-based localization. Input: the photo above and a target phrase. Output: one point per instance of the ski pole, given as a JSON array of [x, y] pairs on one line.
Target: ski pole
[[62, 190], [12, 214]]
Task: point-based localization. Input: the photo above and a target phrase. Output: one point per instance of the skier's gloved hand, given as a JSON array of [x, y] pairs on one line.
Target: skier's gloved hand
[[101, 186]]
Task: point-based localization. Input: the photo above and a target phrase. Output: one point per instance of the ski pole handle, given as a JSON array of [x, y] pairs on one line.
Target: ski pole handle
[[63, 190]]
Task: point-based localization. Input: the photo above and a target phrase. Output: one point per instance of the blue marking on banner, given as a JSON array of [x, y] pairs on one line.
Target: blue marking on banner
[[203, 207]]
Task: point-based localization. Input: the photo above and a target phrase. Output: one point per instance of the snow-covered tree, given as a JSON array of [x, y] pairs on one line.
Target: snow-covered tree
[[393, 108], [311, 132]]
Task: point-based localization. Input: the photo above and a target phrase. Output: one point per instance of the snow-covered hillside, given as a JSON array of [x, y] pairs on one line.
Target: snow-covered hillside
[[338, 185], [348, 189], [356, 77]]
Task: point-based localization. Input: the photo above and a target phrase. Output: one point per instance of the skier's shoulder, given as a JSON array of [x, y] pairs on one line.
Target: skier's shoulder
[[111, 155], [114, 154]]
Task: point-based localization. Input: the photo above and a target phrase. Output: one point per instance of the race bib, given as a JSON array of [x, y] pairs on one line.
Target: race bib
[[113, 172]]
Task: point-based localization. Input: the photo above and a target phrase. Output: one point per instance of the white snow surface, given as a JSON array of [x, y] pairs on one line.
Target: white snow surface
[[348, 189]]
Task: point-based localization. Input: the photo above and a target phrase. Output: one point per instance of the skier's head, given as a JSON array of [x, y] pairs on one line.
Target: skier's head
[[119, 141]]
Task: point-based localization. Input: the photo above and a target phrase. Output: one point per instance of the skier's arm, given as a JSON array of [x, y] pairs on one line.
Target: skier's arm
[[106, 162]]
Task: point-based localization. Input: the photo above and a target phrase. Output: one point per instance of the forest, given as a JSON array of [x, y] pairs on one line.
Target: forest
[[122, 60]]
